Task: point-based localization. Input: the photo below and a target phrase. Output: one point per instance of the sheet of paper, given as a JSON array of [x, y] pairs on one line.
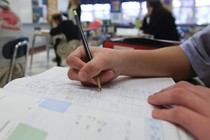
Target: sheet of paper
[[57, 108], [125, 95]]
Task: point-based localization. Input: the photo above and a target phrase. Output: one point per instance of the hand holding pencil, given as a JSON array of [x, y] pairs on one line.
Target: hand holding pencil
[[101, 65], [86, 47], [105, 64]]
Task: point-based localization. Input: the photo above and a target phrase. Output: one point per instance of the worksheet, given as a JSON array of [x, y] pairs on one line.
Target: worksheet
[[51, 107]]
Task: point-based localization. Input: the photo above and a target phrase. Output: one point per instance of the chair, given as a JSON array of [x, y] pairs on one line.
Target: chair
[[15, 49]]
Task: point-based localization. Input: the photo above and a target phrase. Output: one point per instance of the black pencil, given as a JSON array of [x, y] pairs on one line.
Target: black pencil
[[86, 47]]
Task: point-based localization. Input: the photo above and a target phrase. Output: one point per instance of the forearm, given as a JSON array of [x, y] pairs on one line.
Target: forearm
[[166, 62]]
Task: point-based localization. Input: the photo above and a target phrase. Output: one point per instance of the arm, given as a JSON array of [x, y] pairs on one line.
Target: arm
[[56, 30], [65, 15], [166, 62], [108, 64]]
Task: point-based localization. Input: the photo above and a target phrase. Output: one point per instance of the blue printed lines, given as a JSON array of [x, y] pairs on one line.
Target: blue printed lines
[[55, 105], [153, 129]]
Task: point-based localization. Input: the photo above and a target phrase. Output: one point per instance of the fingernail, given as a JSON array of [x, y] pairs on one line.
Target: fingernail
[[155, 112], [151, 98], [83, 76]]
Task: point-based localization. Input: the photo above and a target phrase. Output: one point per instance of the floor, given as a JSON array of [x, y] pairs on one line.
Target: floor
[[40, 62]]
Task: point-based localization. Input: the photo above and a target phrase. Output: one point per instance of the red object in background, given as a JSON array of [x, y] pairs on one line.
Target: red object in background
[[94, 24], [9, 17], [9, 20], [117, 45], [139, 43]]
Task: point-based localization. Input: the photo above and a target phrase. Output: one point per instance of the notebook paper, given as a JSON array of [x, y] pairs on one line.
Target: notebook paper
[[63, 109]]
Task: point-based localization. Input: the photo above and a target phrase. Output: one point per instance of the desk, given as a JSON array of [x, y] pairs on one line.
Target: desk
[[86, 30], [138, 43], [90, 29], [94, 36], [39, 33]]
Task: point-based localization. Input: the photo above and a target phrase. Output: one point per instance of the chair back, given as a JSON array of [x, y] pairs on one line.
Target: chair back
[[15, 49], [8, 49]]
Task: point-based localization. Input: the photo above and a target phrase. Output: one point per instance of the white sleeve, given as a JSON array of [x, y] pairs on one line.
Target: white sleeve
[[197, 50]]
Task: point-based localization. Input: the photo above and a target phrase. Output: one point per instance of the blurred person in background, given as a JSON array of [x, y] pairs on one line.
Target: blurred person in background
[[159, 22], [10, 29], [62, 27]]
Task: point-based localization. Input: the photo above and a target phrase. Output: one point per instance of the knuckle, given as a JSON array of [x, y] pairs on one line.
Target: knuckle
[[92, 66], [182, 84], [178, 95], [178, 113]]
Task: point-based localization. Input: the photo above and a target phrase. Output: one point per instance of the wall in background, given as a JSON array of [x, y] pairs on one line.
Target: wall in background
[[23, 8], [28, 30], [63, 5], [52, 8]]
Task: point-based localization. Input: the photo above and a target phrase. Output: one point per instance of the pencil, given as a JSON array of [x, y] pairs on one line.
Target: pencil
[[86, 47]]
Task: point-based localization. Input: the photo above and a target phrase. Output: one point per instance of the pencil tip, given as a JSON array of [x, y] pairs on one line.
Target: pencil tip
[[98, 82], [99, 89]]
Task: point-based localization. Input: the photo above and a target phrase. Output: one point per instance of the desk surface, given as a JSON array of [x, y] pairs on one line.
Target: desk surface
[[42, 32]]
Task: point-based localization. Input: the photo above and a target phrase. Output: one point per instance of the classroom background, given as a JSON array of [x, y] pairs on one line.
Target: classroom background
[[191, 16]]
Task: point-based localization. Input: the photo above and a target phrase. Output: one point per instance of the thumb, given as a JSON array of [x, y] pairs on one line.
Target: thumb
[[92, 69]]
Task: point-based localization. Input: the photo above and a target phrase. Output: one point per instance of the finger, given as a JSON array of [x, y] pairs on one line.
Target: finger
[[180, 97], [179, 84], [89, 83], [203, 92], [104, 77], [200, 91], [107, 76], [76, 59], [192, 121], [73, 74], [92, 69]]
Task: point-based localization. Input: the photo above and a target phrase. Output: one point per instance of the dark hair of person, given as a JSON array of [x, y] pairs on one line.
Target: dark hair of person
[[57, 17], [157, 7], [154, 3]]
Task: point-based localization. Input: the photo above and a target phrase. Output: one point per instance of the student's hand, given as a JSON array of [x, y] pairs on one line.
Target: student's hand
[[191, 110], [104, 64]]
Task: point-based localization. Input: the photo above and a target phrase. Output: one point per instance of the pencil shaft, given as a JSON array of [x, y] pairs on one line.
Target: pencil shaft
[[87, 50], [84, 40]]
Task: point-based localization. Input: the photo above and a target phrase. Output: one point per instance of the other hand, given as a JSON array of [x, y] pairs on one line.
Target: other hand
[[191, 110]]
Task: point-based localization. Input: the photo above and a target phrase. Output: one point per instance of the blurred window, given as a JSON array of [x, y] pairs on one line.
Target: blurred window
[[130, 11], [185, 11], [191, 11], [102, 11], [91, 12]]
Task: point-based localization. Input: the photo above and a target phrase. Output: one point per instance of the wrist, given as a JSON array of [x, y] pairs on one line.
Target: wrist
[[120, 62]]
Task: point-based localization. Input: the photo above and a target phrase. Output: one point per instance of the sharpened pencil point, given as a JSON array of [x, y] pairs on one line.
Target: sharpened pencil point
[[98, 82]]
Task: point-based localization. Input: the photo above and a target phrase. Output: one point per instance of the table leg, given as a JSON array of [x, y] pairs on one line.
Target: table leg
[[48, 55], [32, 53]]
